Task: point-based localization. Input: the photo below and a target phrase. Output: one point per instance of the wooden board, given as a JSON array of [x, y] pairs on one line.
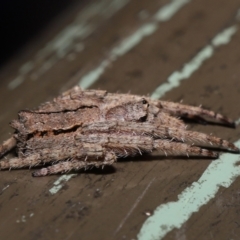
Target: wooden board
[[133, 45]]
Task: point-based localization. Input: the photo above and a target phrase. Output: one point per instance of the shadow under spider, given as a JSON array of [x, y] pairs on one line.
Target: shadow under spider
[[201, 121], [148, 158], [111, 169]]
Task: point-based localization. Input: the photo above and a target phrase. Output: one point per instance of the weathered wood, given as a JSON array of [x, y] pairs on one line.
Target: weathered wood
[[115, 202]]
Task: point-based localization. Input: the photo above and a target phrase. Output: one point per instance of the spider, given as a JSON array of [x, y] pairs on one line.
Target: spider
[[86, 128]]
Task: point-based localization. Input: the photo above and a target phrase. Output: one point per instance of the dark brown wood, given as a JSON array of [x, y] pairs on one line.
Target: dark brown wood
[[97, 204]]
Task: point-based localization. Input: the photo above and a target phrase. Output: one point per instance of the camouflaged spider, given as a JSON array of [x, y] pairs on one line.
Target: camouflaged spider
[[87, 128]]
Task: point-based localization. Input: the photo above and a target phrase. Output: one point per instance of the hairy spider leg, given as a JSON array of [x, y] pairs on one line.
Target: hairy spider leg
[[159, 131], [7, 145], [177, 148], [87, 152], [191, 112], [74, 164], [124, 145]]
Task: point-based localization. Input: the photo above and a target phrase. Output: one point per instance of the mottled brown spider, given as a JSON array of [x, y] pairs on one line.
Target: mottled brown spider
[[80, 129]]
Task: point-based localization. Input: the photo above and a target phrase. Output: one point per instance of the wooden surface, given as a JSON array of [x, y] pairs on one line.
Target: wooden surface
[[115, 203]]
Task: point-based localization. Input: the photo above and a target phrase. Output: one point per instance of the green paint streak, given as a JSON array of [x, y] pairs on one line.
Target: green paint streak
[[166, 217], [175, 79], [163, 14]]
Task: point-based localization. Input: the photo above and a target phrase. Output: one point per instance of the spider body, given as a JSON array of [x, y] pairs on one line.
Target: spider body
[[80, 129]]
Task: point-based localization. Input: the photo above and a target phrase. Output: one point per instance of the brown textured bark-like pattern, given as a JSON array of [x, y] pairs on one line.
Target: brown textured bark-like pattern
[[81, 129]]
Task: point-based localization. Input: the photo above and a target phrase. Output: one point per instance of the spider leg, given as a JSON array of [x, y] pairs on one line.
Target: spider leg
[[137, 144], [159, 131], [124, 145], [31, 160], [43, 150], [177, 148], [7, 145], [197, 138], [75, 164], [191, 112], [43, 156]]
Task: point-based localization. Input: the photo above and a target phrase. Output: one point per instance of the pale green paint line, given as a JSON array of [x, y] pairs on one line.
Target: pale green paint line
[[26, 67], [130, 42], [163, 14], [220, 173], [5, 188], [224, 37], [237, 122], [15, 82], [68, 40], [91, 77], [58, 184], [169, 10], [175, 79], [126, 45]]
